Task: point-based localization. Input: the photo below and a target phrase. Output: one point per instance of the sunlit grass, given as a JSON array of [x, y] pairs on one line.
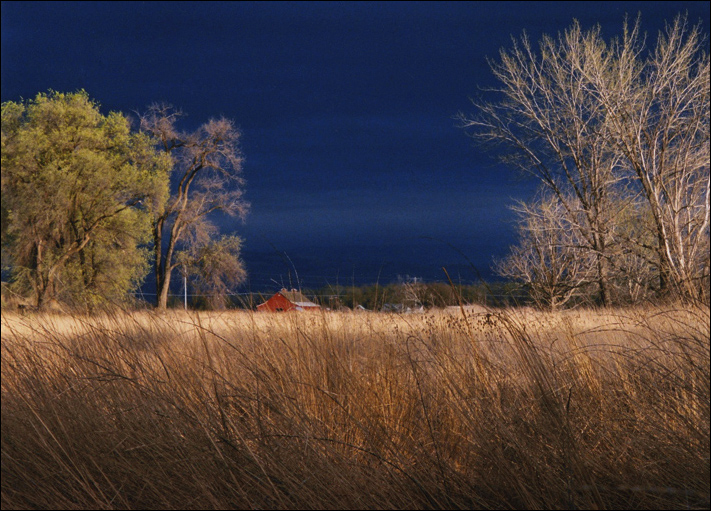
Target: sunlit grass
[[515, 408]]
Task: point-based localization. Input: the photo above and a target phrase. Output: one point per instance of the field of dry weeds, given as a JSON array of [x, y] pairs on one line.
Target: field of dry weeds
[[506, 409]]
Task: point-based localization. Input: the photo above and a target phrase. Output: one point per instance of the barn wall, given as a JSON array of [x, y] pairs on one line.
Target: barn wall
[[275, 303]]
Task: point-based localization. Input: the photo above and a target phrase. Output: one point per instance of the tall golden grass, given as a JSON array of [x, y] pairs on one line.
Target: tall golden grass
[[509, 409]]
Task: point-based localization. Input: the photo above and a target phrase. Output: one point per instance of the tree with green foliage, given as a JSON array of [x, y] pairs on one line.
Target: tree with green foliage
[[78, 194]]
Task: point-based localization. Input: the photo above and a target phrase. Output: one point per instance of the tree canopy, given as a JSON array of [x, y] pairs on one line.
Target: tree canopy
[[79, 190], [206, 167]]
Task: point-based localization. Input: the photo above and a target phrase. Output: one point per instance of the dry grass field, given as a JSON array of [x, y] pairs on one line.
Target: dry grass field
[[451, 409]]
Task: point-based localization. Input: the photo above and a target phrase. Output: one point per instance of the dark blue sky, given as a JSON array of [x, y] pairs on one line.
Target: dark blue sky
[[353, 157]]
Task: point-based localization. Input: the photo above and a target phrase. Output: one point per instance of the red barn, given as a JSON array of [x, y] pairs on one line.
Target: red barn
[[287, 301]]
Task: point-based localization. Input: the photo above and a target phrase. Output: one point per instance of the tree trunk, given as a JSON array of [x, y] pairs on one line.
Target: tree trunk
[[43, 287], [602, 280], [41, 284], [158, 256], [162, 299], [164, 266], [664, 270]]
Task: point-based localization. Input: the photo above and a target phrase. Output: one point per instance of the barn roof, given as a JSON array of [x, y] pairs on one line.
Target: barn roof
[[297, 298]]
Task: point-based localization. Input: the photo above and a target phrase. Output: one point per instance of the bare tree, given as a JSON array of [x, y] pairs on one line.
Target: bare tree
[[549, 259], [552, 128], [205, 178], [213, 268], [596, 121], [412, 292], [633, 262], [658, 112]]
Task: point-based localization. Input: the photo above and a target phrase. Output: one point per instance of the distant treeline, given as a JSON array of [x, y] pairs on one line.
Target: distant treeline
[[414, 294], [393, 296]]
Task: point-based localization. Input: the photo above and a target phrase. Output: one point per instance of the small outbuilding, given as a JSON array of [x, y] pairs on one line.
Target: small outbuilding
[[287, 301]]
